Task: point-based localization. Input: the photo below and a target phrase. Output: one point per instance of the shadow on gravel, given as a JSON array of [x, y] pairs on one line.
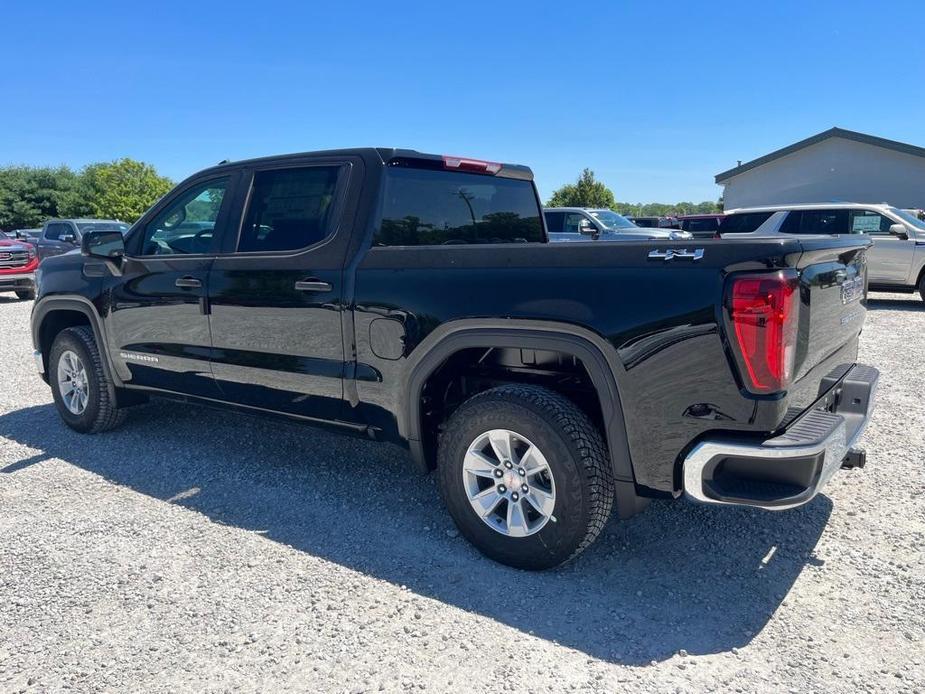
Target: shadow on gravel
[[915, 304], [678, 576]]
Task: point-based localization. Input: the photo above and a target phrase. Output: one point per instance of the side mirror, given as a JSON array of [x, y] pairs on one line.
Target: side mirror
[[68, 237], [900, 231], [586, 228], [103, 244]]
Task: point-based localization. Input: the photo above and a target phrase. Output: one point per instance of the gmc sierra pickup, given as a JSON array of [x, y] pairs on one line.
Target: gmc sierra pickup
[[414, 298]]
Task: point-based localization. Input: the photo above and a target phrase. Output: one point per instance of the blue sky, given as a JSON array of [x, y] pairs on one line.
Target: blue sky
[[656, 97]]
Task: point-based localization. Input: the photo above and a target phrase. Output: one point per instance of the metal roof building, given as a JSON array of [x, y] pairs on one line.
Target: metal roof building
[[833, 166]]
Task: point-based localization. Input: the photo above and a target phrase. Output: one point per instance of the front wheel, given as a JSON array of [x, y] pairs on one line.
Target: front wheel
[[922, 286], [525, 476], [83, 393]]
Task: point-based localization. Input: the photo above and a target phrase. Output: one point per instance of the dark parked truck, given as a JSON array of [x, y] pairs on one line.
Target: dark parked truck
[[413, 298]]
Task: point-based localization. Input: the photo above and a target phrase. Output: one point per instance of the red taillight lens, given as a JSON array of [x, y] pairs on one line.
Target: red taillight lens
[[476, 165], [763, 311]]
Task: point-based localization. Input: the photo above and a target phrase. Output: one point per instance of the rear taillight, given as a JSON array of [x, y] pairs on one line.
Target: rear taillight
[[763, 312], [476, 165]]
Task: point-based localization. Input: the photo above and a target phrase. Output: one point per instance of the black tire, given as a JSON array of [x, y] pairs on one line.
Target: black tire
[[922, 286], [577, 458], [26, 294], [101, 413]]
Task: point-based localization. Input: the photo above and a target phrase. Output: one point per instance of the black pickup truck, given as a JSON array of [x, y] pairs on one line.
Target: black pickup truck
[[414, 298]]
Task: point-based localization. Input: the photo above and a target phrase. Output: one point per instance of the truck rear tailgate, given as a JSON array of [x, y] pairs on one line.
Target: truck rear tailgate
[[833, 305]]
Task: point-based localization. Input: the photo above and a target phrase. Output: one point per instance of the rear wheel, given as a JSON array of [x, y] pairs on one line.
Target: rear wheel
[[84, 395], [525, 476], [25, 294]]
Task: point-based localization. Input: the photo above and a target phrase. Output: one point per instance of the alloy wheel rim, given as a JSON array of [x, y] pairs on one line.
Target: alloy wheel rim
[[73, 384], [509, 483]]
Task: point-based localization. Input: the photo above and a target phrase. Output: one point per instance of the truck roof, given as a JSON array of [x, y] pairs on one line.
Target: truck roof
[[384, 155]]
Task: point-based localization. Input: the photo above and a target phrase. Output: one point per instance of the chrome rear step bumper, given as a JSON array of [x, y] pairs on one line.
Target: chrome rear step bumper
[[787, 470]]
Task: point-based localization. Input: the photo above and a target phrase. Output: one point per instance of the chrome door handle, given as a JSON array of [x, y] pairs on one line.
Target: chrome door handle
[[312, 285], [188, 283]]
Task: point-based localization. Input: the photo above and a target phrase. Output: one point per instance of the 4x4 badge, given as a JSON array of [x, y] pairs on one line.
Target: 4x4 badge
[[672, 253]]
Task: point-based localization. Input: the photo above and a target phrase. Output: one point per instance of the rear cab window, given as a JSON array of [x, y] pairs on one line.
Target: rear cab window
[[433, 207], [744, 222]]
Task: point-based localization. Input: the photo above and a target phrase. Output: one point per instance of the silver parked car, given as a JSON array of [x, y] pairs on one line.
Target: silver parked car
[[896, 262], [589, 224]]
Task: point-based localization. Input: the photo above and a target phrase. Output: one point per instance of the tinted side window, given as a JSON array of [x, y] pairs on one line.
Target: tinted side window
[[186, 224], [868, 222], [823, 222], [55, 231], [708, 224], [428, 207], [554, 221], [572, 222], [289, 209], [791, 224], [744, 222]]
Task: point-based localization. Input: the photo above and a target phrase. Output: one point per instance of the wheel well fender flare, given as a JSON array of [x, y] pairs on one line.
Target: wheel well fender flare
[[47, 306], [597, 356]]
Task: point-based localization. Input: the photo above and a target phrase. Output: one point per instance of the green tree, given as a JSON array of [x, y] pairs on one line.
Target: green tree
[[585, 192], [121, 189], [29, 195], [661, 209]]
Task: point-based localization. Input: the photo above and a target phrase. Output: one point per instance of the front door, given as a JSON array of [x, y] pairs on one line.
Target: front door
[[58, 238], [158, 324], [276, 294], [889, 260]]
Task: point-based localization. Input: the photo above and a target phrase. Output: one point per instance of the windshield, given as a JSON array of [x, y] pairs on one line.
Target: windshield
[[612, 220], [103, 226], [911, 220]]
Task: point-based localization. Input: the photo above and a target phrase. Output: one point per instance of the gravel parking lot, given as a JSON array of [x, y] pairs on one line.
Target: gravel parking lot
[[195, 549]]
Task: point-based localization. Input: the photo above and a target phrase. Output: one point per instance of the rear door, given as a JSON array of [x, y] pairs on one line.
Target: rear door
[[890, 257], [158, 324], [276, 293]]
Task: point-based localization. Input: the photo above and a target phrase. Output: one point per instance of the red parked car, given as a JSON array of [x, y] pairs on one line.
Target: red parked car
[[18, 261]]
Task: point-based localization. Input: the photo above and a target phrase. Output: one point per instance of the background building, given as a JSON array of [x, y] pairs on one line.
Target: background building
[[834, 166]]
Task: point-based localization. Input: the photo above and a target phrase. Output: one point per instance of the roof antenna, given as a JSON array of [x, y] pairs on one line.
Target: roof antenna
[[738, 162]]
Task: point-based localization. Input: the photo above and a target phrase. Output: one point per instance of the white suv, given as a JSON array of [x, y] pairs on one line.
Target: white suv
[[896, 260]]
